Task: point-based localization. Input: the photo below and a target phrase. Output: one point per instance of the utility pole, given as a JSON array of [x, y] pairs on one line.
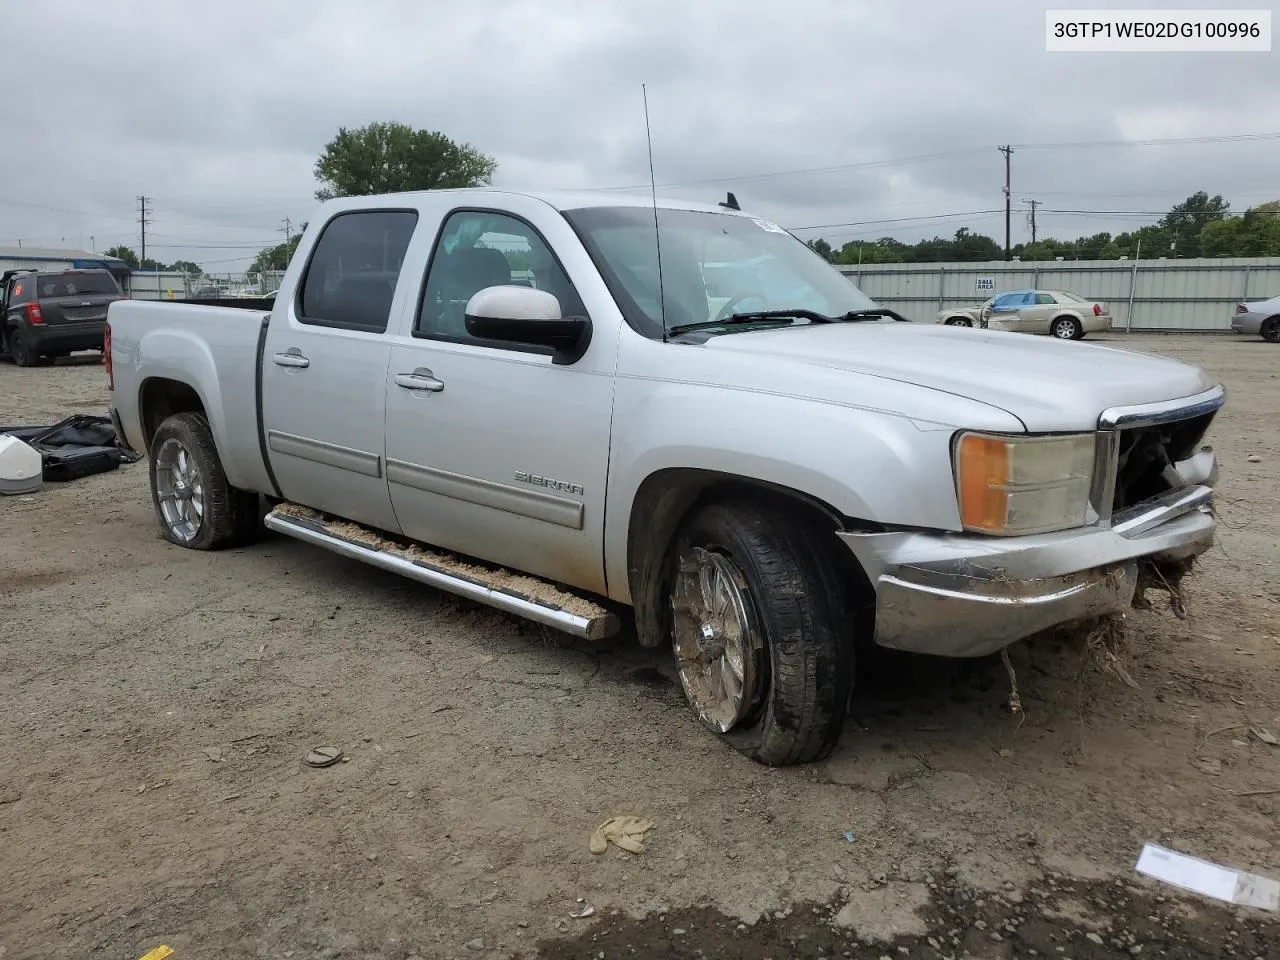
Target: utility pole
[[288, 231], [1008, 197], [1034, 204], [143, 221]]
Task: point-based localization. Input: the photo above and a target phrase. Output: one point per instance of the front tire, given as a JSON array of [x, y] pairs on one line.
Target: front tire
[[759, 632], [196, 506]]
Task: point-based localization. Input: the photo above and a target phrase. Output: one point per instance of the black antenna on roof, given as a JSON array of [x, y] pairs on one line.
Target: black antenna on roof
[[657, 236], [731, 203]]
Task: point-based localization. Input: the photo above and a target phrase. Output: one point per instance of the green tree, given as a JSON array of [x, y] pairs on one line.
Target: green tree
[[1187, 219], [1254, 234], [277, 257], [124, 253], [185, 266], [822, 248], [389, 157]]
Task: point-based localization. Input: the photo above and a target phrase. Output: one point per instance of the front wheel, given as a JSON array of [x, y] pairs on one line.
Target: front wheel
[[759, 632], [196, 506]]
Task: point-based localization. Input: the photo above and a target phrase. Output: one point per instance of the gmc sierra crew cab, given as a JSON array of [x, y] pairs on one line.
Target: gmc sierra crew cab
[[534, 400]]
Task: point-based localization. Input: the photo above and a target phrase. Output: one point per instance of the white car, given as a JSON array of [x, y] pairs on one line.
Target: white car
[[1261, 317]]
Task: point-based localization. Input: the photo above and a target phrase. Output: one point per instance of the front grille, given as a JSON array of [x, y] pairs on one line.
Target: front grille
[[1144, 452]]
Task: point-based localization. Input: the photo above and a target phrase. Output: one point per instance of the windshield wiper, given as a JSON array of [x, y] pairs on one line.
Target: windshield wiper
[[874, 313], [735, 318]]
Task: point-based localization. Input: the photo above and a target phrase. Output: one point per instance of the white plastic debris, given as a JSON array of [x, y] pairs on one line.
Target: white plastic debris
[[21, 468], [1210, 879]]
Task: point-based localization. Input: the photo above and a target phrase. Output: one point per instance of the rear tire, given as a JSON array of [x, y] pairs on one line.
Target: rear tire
[[959, 322], [1066, 328], [1270, 330], [759, 610], [196, 507], [20, 350]]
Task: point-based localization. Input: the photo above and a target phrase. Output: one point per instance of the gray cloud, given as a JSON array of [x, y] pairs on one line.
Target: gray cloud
[[219, 119]]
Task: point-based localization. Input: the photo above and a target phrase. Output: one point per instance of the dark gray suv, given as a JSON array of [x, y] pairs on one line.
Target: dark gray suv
[[48, 315]]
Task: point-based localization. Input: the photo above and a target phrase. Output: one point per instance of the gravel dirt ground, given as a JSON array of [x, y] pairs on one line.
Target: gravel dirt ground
[[157, 705]]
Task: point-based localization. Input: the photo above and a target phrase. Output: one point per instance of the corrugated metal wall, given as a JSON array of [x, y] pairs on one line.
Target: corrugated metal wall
[[1167, 294]]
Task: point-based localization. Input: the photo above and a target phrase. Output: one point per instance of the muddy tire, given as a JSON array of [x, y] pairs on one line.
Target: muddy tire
[[196, 507], [760, 632]]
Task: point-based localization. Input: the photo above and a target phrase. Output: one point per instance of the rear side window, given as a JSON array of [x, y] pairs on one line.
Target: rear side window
[[354, 267], [1043, 298]]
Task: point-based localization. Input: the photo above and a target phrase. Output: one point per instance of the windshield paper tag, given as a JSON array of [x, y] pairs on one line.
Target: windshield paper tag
[[766, 225]]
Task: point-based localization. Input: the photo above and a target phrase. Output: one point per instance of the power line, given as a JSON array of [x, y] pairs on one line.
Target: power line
[[965, 152], [836, 168], [867, 223]]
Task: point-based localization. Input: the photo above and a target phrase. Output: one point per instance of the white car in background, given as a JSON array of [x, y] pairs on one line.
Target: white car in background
[[1261, 317], [1057, 313]]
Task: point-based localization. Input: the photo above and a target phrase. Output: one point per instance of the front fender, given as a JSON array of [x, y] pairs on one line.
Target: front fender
[[867, 465]]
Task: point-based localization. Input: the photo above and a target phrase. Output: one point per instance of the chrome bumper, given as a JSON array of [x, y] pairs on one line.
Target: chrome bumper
[[960, 595]]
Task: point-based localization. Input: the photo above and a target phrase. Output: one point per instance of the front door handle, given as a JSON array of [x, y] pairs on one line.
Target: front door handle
[[291, 358], [420, 379]]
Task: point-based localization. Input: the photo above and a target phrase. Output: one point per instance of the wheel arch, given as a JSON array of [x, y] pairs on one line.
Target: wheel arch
[[159, 398], [667, 497]]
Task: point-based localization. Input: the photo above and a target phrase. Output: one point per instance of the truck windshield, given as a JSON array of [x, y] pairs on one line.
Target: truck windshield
[[713, 265], [76, 284]]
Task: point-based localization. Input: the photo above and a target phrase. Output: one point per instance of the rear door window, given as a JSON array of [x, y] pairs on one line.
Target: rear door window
[[352, 275]]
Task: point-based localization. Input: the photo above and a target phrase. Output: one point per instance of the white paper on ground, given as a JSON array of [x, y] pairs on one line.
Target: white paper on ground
[[1209, 879]]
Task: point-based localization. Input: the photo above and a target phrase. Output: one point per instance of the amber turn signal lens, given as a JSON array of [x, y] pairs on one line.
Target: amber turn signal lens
[[983, 467]]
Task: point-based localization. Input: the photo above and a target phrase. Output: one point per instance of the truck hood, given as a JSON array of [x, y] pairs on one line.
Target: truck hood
[[1046, 383]]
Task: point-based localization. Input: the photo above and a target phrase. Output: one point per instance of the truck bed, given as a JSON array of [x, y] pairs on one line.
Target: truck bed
[[217, 349]]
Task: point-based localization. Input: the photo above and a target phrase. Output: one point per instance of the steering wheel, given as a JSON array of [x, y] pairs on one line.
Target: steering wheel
[[733, 301]]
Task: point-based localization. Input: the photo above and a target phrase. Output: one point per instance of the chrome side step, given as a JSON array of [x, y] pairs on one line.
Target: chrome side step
[[529, 597]]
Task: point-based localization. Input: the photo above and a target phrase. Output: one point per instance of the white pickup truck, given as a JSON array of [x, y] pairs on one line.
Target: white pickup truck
[[534, 402]]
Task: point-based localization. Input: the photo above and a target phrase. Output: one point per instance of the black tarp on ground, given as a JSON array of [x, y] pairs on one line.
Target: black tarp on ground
[[76, 447]]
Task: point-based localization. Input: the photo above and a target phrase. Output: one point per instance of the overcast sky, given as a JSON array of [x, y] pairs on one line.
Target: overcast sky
[[218, 115]]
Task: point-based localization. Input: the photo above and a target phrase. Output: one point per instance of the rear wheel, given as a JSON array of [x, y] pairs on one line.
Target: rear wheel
[[759, 632], [20, 349], [1067, 328], [196, 506], [1270, 330], [959, 322]]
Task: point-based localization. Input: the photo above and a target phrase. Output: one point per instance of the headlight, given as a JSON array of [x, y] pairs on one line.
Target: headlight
[[1019, 485]]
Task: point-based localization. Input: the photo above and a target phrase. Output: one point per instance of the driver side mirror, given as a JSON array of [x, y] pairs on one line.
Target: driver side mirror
[[517, 314]]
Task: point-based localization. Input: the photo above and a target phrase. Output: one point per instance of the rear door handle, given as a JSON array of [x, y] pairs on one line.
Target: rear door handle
[[291, 358], [420, 379]]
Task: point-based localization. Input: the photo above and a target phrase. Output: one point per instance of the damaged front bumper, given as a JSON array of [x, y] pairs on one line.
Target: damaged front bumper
[[960, 595]]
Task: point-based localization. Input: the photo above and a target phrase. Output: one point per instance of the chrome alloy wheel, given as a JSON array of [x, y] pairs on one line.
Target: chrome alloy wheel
[[716, 639], [180, 490], [1064, 329]]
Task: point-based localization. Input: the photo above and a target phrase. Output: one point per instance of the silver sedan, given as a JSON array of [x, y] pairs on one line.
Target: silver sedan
[[1260, 317]]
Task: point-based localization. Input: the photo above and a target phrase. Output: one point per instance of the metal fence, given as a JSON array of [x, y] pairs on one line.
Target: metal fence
[[171, 285], [1158, 295]]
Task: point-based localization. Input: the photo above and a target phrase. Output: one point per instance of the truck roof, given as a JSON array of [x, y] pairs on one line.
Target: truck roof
[[559, 199]]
